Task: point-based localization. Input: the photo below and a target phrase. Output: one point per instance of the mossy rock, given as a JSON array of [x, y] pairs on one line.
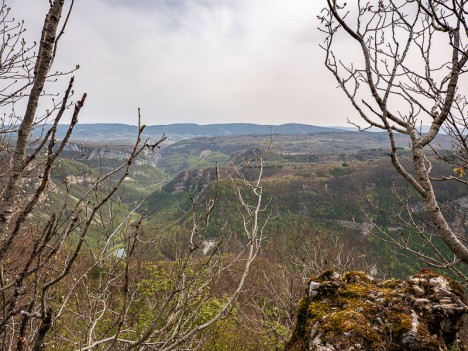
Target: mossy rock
[[357, 312]]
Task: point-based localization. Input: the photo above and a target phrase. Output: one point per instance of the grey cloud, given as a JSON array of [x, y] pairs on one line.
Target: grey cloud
[[198, 61]]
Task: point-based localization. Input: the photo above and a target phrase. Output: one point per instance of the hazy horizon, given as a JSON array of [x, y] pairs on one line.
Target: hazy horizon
[[209, 124]]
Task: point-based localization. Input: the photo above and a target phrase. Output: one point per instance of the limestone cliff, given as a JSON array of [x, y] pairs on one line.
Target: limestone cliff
[[193, 180], [357, 312], [111, 152]]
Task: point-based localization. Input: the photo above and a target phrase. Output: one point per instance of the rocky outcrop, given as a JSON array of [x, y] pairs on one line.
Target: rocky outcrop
[[357, 312], [90, 152], [193, 180]]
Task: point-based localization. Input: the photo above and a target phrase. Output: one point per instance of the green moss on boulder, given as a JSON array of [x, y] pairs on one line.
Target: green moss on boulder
[[357, 312]]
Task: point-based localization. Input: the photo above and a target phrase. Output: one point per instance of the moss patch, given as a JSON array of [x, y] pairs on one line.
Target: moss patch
[[355, 311]]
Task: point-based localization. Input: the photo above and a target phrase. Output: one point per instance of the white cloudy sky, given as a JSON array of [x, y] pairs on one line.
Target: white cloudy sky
[[200, 61]]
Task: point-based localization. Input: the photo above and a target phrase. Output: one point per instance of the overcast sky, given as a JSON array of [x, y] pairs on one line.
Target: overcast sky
[[197, 61]]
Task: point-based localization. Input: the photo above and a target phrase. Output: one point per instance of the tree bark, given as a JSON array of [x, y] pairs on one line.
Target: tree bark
[[432, 206], [44, 59], [43, 329]]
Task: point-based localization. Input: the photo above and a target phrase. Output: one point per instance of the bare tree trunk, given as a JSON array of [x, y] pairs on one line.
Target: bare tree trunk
[[393, 93], [44, 59], [433, 209], [46, 324]]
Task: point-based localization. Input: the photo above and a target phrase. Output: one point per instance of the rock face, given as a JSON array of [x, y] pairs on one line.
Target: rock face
[[358, 312], [194, 180], [90, 152]]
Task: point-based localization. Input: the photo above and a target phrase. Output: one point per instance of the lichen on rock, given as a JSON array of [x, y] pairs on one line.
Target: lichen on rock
[[355, 311]]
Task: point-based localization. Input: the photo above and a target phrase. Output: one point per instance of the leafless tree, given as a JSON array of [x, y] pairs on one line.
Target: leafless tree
[[406, 71], [129, 301], [60, 288]]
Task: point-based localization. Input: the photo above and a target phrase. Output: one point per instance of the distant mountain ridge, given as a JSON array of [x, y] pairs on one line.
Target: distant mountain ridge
[[104, 131], [233, 129]]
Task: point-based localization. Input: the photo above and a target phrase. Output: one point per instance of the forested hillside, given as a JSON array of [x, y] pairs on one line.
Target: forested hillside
[[333, 197], [339, 183], [233, 236]]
